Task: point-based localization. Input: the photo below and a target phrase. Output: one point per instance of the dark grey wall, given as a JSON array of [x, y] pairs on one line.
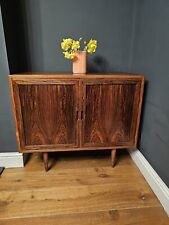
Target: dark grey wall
[[7, 134], [37, 28], [150, 57]]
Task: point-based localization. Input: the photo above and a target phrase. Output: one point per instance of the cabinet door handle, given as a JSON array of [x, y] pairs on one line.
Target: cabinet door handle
[[81, 115], [77, 115]]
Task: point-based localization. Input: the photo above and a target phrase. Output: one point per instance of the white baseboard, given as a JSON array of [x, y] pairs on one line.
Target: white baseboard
[[157, 185], [11, 159]]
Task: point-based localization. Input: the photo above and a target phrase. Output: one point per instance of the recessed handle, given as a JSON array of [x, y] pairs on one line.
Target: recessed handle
[[77, 115], [81, 115]]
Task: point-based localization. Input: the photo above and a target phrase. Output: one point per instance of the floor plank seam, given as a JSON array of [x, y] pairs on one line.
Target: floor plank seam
[[78, 213]]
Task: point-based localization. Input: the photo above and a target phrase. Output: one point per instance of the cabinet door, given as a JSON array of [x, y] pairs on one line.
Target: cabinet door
[[46, 113], [110, 112]]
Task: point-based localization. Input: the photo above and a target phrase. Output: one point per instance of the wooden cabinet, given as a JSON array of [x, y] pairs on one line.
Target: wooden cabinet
[[79, 112]]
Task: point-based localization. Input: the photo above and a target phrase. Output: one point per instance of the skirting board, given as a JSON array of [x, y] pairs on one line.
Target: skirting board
[[11, 159], [157, 185]]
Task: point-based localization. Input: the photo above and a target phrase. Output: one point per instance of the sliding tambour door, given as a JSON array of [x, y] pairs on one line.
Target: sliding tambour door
[[110, 112], [46, 113]]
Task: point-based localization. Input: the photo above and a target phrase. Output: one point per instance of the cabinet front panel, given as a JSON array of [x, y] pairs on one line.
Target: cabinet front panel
[[110, 113], [48, 114]]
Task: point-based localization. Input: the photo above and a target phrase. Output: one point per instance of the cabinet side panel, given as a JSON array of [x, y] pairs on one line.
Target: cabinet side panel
[[17, 114], [109, 112], [48, 113]]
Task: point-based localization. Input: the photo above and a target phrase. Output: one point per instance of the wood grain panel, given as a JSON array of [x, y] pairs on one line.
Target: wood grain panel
[[49, 113], [109, 111]]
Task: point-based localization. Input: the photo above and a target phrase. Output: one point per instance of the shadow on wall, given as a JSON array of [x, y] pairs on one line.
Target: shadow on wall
[[146, 84], [14, 35], [15, 14], [98, 64]]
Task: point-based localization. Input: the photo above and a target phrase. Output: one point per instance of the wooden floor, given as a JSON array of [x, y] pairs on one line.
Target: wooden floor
[[80, 189]]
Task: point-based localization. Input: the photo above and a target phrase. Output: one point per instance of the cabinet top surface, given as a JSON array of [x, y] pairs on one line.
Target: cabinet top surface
[[74, 76]]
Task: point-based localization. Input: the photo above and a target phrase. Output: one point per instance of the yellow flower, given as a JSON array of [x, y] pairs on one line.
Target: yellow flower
[[70, 46], [75, 45], [91, 46], [69, 55], [66, 44]]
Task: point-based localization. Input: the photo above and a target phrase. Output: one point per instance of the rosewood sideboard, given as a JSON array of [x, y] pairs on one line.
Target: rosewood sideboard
[[56, 112]]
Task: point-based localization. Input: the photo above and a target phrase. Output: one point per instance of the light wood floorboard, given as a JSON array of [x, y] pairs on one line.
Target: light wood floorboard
[[80, 188]]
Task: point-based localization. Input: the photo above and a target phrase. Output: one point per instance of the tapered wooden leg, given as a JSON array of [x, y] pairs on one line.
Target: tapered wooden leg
[[45, 160], [113, 157], [1, 170]]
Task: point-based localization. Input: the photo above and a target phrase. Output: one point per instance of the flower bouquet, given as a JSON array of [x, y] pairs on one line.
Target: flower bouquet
[[77, 51]]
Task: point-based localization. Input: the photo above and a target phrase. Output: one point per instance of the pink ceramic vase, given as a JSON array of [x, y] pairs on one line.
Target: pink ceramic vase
[[79, 62]]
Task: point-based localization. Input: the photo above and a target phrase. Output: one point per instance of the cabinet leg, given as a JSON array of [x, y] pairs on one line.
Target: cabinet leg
[[113, 157], [45, 160]]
